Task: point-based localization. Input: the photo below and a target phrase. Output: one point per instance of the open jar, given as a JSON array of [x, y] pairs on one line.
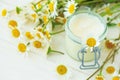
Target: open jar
[[81, 26]]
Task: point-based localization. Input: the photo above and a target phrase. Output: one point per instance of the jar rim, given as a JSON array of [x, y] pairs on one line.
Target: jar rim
[[76, 38]]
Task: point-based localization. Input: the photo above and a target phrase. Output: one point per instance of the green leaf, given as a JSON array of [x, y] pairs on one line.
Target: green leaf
[[38, 10], [78, 1], [53, 33], [111, 1], [48, 1], [108, 19], [111, 24], [53, 25], [18, 10], [28, 43], [49, 50]]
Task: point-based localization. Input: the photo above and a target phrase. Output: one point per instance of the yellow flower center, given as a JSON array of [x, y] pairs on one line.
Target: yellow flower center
[[37, 44], [99, 78], [15, 33], [110, 70], [38, 35], [33, 8], [45, 19], [107, 9], [91, 42], [29, 35], [39, 29], [47, 34], [21, 47], [51, 6], [12, 23], [116, 78], [118, 24], [34, 16], [71, 8], [61, 69], [4, 12], [46, 11], [39, 5]]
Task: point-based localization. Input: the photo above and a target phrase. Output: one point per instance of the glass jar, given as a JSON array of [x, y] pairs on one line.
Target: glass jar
[[74, 43]]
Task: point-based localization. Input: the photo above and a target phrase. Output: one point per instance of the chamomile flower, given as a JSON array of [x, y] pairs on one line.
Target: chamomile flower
[[107, 9], [91, 42], [22, 47], [116, 78], [110, 69], [118, 24], [100, 77], [116, 75], [64, 72], [70, 8], [37, 44], [109, 44], [15, 33], [61, 69], [29, 36], [39, 29], [30, 18], [28, 15], [45, 19], [52, 6], [12, 23], [38, 5], [32, 7], [90, 46], [38, 35], [47, 34], [4, 12], [34, 15]]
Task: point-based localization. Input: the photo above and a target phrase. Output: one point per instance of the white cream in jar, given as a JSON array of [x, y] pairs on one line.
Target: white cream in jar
[[79, 28]]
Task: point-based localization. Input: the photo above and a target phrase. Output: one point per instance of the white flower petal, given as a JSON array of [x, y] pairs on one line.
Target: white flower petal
[[68, 4]]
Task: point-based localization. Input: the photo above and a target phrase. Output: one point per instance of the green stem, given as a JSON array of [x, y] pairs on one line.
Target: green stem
[[38, 24], [57, 52], [89, 2], [39, 1], [44, 27], [113, 58], [114, 18], [101, 71], [50, 50], [119, 71], [34, 5], [117, 38], [11, 11], [57, 32], [38, 10]]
